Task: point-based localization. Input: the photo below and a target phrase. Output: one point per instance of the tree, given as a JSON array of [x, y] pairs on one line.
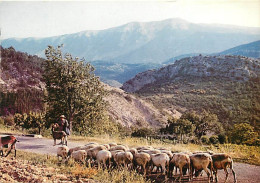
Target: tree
[[244, 133], [72, 90], [206, 122]]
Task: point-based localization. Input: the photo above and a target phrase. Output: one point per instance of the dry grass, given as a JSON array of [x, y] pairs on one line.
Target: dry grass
[[240, 153], [78, 171]]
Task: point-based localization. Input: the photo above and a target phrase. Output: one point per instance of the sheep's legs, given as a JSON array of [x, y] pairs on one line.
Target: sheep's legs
[[234, 174], [216, 175], [225, 169], [206, 170]]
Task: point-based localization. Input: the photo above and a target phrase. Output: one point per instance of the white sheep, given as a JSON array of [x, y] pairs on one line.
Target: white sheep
[[62, 152], [168, 152], [112, 144], [179, 160], [71, 150], [79, 155], [161, 160], [92, 153], [154, 151], [123, 158], [107, 146], [104, 157], [141, 159], [119, 147], [201, 161]]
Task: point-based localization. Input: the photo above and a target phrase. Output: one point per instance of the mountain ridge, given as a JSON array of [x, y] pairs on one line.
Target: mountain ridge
[[145, 42]]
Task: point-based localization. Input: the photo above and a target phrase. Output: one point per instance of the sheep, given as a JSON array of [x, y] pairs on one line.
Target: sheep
[[58, 135], [133, 151], [62, 152], [124, 158], [104, 157], [179, 160], [87, 147], [92, 153], [222, 161], [118, 147], [8, 142], [160, 160], [142, 159], [139, 149], [79, 155], [112, 144], [169, 153], [201, 161], [155, 151], [113, 153], [92, 143], [71, 150], [107, 146]]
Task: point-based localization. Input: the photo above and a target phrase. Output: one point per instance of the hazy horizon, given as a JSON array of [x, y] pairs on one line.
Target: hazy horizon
[[53, 18]]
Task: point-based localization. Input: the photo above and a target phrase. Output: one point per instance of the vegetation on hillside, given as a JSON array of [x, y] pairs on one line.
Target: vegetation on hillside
[[232, 101], [21, 82]]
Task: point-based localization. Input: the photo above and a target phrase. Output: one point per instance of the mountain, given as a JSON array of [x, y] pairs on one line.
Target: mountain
[[119, 72], [248, 50], [228, 86], [142, 42], [22, 88]]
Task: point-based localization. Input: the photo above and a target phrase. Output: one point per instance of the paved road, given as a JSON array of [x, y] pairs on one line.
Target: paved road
[[245, 173], [41, 145]]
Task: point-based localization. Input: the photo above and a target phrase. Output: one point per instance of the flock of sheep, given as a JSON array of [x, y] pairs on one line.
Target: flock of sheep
[[149, 159]]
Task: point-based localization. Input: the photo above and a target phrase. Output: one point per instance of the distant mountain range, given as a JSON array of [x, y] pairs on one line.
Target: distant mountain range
[[248, 50], [142, 42]]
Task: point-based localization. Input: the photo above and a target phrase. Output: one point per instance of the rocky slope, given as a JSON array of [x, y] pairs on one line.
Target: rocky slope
[[130, 110], [232, 67], [228, 86], [23, 72]]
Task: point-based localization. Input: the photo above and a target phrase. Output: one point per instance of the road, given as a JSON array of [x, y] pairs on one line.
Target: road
[[245, 173]]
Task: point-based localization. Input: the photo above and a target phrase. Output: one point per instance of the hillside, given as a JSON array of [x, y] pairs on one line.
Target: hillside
[[248, 50], [22, 88], [225, 85], [142, 42]]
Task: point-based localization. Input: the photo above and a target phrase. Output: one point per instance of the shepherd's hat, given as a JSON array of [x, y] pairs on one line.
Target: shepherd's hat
[[62, 116]]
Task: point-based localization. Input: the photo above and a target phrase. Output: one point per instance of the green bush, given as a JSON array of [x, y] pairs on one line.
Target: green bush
[[244, 133], [222, 139], [214, 139], [205, 140], [142, 132]]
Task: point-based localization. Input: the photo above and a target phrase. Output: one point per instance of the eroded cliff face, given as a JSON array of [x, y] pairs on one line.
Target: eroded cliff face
[[236, 68], [130, 110]]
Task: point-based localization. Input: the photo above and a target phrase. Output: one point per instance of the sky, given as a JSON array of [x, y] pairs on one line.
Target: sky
[[23, 19]]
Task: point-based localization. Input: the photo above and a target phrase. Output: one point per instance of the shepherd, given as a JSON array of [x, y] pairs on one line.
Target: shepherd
[[64, 125]]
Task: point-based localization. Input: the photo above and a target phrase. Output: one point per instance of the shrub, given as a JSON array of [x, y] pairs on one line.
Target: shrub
[[142, 132], [214, 139], [244, 133], [9, 120], [222, 138], [204, 140]]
